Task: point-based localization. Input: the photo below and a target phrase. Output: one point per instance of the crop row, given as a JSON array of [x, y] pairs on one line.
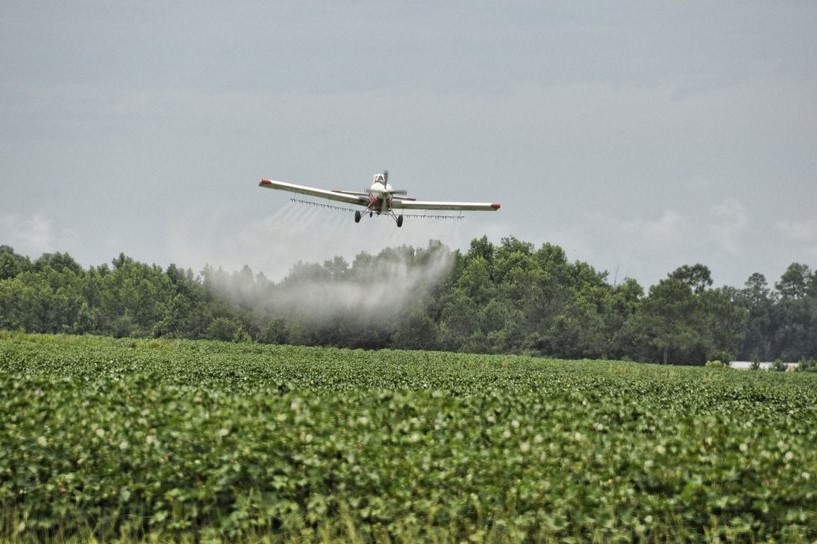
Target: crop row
[[215, 440]]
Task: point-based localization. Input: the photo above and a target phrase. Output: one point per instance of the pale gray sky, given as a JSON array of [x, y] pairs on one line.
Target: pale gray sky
[[639, 136]]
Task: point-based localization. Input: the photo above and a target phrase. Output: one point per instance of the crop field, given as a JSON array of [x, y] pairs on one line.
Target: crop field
[[157, 440]]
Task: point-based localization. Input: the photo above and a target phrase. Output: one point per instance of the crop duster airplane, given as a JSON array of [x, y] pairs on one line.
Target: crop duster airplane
[[380, 198]]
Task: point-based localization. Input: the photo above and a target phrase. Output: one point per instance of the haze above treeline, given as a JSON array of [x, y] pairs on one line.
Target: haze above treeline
[[510, 297]]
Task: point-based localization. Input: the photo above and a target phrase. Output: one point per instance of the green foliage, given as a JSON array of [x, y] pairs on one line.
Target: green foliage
[[510, 297], [106, 439], [779, 365], [226, 329], [807, 365]]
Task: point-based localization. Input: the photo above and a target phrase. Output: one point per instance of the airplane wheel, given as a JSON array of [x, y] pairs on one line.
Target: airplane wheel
[[399, 221], [357, 216]]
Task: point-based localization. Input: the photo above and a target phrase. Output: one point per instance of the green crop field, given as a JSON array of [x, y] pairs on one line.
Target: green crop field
[[134, 440]]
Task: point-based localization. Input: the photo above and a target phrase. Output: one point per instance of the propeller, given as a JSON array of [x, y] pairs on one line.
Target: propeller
[[393, 191]]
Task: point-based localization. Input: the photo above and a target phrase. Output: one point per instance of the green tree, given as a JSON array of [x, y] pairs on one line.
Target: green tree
[[416, 330], [625, 304], [133, 298], [758, 302], [795, 281], [684, 320], [795, 315], [12, 264], [723, 323], [697, 277], [669, 321], [226, 329]]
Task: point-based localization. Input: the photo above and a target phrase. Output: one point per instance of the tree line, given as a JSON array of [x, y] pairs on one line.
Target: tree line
[[509, 297]]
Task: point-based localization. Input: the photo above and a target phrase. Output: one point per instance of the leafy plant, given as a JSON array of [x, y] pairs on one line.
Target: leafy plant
[[104, 439], [779, 366], [807, 365]]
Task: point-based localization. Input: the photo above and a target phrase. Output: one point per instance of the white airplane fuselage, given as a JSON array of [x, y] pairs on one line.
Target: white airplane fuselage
[[380, 194]]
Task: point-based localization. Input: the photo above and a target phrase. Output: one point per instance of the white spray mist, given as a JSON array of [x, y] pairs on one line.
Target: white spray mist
[[374, 288]]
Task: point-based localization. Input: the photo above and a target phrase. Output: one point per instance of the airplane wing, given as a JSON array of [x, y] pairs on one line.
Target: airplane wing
[[428, 205], [347, 197]]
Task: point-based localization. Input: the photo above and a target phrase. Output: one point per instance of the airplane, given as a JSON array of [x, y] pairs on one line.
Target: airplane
[[380, 198]]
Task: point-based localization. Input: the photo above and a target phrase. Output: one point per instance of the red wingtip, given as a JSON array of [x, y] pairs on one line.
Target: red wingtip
[[496, 205], [265, 182]]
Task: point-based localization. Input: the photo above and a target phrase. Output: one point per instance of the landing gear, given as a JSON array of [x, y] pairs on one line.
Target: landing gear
[[397, 218]]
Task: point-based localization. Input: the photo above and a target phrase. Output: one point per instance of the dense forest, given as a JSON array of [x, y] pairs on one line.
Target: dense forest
[[505, 298]]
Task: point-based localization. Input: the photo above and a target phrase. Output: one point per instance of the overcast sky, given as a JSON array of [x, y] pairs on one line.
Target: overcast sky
[[639, 136]]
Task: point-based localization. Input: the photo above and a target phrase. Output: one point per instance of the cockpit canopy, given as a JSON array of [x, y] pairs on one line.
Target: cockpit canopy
[[382, 178]]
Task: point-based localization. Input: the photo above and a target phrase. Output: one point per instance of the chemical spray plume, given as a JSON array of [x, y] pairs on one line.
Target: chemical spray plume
[[375, 288]]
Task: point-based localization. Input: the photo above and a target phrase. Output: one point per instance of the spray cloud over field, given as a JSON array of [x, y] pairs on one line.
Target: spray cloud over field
[[372, 289]]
